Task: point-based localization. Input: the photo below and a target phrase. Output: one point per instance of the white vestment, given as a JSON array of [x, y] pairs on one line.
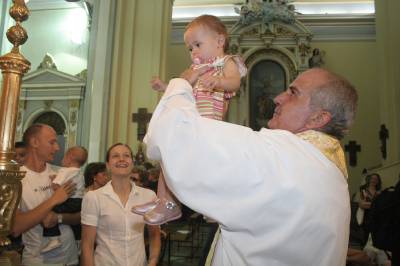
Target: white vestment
[[277, 198]]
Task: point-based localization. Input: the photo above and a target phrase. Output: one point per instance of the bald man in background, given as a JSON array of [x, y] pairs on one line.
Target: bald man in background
[[37, 201]]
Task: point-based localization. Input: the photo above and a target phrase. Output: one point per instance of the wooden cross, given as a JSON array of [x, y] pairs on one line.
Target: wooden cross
[[352, 148], [383, 136], [142, 117]]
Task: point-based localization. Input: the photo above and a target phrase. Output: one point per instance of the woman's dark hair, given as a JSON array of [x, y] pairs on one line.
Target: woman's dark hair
[[115, 145], [368, 180], [91, 170]]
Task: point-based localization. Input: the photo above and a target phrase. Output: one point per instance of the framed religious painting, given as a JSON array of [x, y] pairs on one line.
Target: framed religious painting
[[267, 80]]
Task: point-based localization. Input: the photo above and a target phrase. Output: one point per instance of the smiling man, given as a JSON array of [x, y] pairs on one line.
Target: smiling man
[[280, 195], [37, 202]]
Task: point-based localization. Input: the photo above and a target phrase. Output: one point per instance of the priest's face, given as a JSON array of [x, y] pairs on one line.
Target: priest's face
[[293, 111]]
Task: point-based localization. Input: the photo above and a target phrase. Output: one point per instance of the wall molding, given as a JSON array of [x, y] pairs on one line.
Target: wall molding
[[355, 27]]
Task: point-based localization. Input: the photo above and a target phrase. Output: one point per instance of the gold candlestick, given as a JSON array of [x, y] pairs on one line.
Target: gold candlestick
[[13, 66]]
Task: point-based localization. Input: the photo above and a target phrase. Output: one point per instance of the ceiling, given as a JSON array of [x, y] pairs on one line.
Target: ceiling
[[224, 2], [192, 8]]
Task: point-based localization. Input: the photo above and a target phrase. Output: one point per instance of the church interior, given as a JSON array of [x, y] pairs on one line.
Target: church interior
[[91, 62]]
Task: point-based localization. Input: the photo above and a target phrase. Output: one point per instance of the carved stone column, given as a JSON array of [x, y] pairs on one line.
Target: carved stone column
[[13, 66]]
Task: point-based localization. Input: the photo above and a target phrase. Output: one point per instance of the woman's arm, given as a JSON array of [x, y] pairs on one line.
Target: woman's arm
[[87, 245], [363, 202], [155, 244]]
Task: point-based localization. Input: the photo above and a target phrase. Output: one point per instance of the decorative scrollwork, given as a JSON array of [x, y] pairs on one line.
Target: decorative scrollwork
[[10, 193], [277, 54], [12, 62], [19, 12], [17, 35], [267, 12]]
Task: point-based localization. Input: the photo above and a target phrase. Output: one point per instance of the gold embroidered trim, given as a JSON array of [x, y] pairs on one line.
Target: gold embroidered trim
[[329, 146]]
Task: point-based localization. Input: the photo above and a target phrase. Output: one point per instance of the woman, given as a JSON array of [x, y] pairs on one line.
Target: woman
[[95, 176], [368, 192], [108, 223]]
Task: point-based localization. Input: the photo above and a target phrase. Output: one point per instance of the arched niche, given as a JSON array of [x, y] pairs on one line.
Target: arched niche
[[269, 73], [56, 97]]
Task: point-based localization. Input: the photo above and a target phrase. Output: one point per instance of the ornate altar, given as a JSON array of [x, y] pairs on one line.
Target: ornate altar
[[52, 97], [275, 47]]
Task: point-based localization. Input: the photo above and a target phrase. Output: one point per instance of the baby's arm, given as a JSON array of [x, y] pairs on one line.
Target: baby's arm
[[157, 84], [230, 81]]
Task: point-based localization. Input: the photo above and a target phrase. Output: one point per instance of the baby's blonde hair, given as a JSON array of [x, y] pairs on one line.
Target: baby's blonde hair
[[212, 23]]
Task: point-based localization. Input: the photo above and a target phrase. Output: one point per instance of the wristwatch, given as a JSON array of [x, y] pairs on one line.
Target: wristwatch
[[59, 218]]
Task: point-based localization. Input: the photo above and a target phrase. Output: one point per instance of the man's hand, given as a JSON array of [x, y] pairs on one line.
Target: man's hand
[[210, 82], [192, 75], [64, 192], [50, 220]]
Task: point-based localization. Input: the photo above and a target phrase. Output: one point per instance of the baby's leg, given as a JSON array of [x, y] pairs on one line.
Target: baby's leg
[[163, 191], [168, 208], [165, 208]]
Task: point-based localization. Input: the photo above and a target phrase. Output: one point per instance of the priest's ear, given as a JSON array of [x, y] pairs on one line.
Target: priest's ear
[[319, 119]]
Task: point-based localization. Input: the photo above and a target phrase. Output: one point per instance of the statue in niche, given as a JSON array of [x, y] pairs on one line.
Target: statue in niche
[[47, 62], [316, 58]]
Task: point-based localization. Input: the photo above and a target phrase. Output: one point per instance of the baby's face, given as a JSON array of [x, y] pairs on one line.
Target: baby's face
[[203, 44]]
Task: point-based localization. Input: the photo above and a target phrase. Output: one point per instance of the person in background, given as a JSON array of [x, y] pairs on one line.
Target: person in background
[[367, 193], [37, 202], [109, 225], [20, 152], [139, 175], [95, 176]]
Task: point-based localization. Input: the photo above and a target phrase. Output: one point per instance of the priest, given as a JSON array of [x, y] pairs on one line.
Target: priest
[[280, 195]]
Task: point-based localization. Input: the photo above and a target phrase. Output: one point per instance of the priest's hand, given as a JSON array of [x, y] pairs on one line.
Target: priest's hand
[[192, 75]]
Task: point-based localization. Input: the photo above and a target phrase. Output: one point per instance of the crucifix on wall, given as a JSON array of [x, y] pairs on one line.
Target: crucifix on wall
[[352, 148], [383, 136], [142, 117]]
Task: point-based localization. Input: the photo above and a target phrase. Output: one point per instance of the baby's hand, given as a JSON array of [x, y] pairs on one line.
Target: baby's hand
[[210, 82], [158, 84]]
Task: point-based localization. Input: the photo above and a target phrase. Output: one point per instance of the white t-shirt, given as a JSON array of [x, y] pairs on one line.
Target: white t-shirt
[[67, 173], [36, 188], [278, 199], [119, 232]]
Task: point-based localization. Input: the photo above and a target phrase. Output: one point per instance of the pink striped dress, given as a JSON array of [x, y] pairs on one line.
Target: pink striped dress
[[214, 104]]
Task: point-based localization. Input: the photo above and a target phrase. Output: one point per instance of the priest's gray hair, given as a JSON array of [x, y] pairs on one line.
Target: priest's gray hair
[[338, 97]]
